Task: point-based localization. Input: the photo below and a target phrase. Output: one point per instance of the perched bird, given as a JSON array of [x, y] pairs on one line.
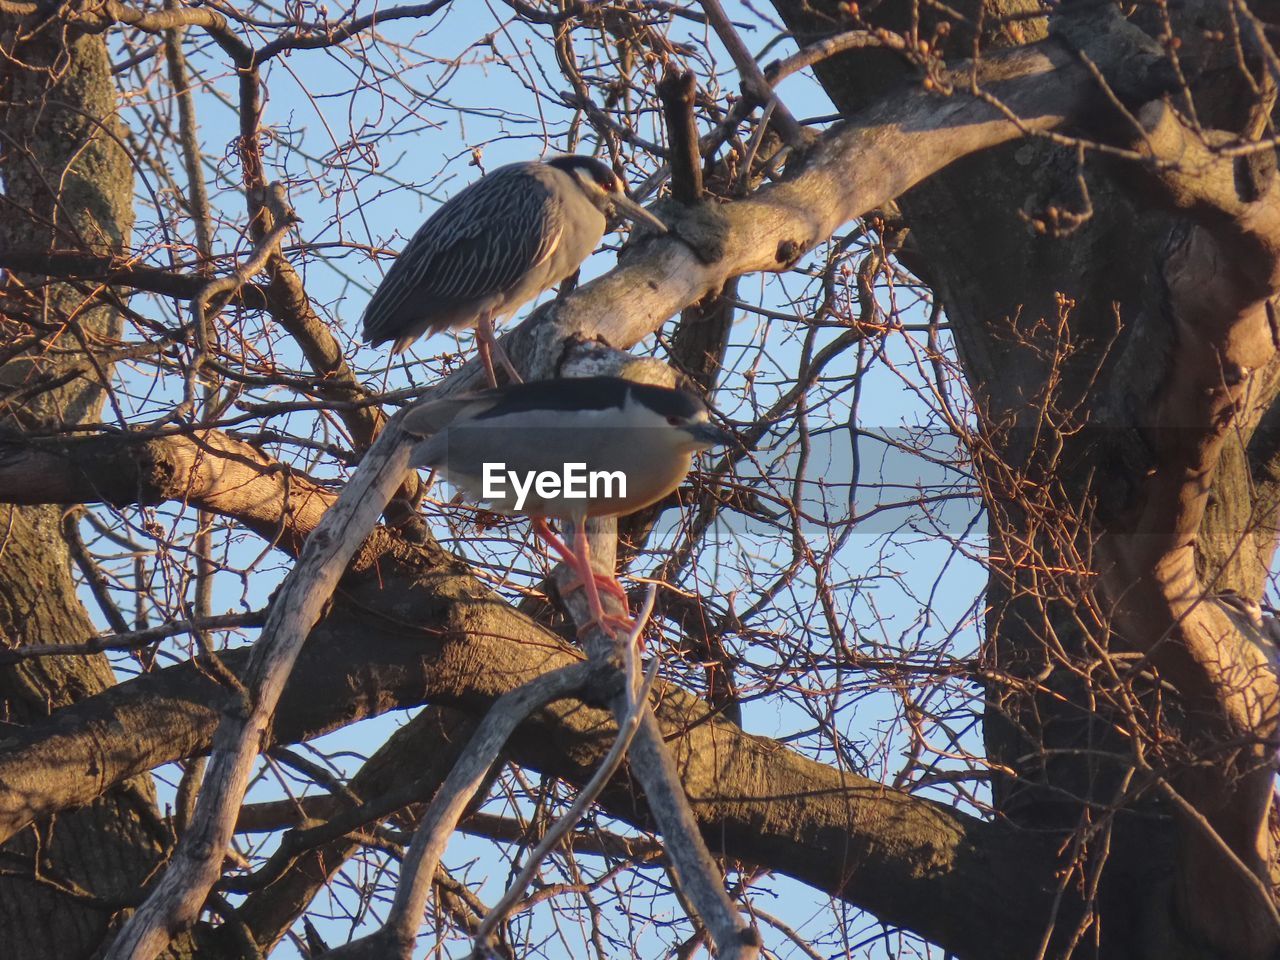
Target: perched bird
[[499, 243], [566, 449]]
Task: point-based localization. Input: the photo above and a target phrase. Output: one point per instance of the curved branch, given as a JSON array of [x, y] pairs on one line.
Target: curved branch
[[206, 469], [950, 877], [874, 157]]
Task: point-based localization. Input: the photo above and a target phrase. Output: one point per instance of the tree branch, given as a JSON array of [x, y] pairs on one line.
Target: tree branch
[[205, 468], [177, 899], [122, 271], [400, 932], [405, 772], [894, 145], [910, 861]]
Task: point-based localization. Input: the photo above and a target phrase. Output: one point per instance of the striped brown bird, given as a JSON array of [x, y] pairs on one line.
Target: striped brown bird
[[494, 246]]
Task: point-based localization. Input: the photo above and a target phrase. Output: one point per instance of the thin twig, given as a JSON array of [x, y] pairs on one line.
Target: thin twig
[[637, 695], [779, 70], [397, 936], [135, 639]]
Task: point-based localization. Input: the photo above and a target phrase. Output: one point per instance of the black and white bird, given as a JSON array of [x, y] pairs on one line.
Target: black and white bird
[[568, 450], [497, 244]]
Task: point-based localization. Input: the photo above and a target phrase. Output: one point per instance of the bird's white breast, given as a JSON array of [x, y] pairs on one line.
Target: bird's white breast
[[627, 440]]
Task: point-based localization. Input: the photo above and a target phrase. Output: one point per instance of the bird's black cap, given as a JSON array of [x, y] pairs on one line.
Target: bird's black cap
[[597, 170]]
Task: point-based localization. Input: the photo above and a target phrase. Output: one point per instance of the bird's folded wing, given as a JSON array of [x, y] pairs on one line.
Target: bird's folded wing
[[478, 244]]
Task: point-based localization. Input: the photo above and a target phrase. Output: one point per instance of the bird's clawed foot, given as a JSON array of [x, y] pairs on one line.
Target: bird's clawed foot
[[591, 582], [602, 583], [614, 624]]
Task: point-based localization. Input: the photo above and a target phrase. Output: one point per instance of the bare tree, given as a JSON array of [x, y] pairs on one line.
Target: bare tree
[[965, 651]]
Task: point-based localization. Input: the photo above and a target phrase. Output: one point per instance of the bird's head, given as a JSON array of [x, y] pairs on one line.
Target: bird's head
[[682, 415], [606, 191]]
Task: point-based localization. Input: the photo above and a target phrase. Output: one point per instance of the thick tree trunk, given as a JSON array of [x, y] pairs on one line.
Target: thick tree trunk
[[67, 185], [1056, 330]]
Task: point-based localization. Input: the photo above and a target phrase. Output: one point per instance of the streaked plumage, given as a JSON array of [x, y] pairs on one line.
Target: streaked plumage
[[498, 243]]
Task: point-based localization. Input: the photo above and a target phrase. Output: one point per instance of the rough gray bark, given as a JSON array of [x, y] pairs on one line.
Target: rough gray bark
[[67, 183], [1015, 298]]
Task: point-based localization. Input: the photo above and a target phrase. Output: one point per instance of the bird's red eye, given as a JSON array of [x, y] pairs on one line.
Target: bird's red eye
[[674, 421]]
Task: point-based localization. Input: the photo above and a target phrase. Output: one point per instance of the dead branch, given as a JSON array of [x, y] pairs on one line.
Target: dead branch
[[399, 934], [636, 692], [178, 897]]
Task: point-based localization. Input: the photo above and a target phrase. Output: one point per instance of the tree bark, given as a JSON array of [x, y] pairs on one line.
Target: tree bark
[[1053, 338], [950, 876], [67, 182], [1059, 328]]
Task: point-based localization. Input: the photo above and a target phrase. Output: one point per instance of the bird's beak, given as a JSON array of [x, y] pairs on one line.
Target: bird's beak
[[709, 435], [626, 207]]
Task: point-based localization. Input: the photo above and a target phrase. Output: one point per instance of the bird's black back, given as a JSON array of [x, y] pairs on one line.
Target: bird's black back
[[589, 393]]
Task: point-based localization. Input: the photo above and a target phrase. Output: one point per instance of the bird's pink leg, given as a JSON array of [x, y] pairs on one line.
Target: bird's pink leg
[[548, 536], [487, 343], [579, 561], [608, 584], [593, 581], [484, 346]]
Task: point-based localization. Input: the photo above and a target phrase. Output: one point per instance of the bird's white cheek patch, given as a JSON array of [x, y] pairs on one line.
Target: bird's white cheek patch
[[573, 482]]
